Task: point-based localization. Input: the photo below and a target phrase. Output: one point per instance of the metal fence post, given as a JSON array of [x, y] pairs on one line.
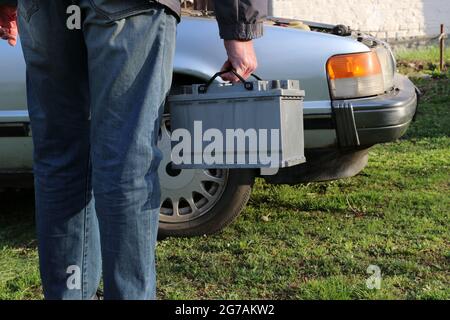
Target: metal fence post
[[442, 48]]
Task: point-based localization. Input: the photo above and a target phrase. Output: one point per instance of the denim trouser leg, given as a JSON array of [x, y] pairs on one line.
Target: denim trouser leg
[[130, 72], [94, 99], [58, 101]]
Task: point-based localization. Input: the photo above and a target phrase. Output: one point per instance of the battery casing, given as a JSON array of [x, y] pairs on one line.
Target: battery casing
[[251, 118]]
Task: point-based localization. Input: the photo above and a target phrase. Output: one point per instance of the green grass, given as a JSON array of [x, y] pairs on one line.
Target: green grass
[[428, 55], [319, 238], [425, 61]]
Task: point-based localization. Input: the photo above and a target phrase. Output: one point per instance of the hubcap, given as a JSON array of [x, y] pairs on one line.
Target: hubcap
[[186, 194]]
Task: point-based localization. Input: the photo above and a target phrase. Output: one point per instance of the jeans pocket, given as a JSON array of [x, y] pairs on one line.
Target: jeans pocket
[[120, 9], [27, 8]]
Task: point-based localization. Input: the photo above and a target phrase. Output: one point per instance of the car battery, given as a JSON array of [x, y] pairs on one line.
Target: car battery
[[250, 124]]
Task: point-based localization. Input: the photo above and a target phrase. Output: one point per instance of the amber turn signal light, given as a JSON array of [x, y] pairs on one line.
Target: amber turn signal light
[[353, 66]]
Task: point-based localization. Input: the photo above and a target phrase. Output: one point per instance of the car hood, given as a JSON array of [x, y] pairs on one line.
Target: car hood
[[283, 53]]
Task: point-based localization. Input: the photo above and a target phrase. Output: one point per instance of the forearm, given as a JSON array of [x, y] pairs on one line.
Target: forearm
[[241, 19]]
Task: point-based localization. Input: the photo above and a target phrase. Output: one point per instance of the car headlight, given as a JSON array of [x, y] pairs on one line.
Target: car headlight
[[388, 66], [355, 75]]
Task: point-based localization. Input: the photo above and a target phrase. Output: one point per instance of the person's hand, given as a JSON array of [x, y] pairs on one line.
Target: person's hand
[[241, 58], [8, 24]]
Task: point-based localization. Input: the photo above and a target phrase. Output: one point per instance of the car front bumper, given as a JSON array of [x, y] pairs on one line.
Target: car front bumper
[[358, 124], [369, 121]]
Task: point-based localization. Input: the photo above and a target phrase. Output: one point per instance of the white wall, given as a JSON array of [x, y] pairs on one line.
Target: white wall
[[387, 19]]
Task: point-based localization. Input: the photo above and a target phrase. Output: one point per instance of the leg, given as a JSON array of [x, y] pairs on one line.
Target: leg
[[130, 72], [58, 102]]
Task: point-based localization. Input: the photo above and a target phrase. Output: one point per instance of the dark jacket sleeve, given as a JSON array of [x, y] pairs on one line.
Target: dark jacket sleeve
[[240, 19], [8, 2]]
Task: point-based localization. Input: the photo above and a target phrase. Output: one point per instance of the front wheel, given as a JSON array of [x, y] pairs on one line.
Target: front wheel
[[198, 201]]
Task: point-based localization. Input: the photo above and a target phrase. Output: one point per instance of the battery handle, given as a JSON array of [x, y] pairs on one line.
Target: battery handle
[[247, 85]]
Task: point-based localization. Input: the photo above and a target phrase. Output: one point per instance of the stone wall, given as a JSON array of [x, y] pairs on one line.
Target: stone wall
[[395, 20]]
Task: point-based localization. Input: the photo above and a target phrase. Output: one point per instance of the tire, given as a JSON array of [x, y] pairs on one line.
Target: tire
[[195, 202], [231, 203]]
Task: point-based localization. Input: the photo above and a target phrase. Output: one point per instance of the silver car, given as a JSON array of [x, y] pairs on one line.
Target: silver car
[[354, 100]]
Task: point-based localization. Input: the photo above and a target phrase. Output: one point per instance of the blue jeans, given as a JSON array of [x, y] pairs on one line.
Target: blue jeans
[[95, 98]]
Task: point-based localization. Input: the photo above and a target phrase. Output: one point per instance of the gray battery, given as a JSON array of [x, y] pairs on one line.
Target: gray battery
[[255, 124]]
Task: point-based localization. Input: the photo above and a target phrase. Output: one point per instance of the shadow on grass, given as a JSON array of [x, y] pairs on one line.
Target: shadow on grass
[[17, 223]]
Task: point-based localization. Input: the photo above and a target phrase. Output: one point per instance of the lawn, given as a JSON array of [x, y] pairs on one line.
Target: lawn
[[429, 54], [312, 241], [423, 61]]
